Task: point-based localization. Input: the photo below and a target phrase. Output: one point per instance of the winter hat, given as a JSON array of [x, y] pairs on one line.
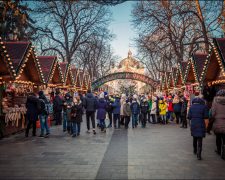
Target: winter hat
[[112, 99], [144, 97], [117, 96], [41, 93], [57, 91], [127, 101], [196, 93], [161, 98], [155, 98], [221, 92], [123, 95], [88, 91], [135, 99], [183, 98], [105, 93], [169, 96], [102, 95]]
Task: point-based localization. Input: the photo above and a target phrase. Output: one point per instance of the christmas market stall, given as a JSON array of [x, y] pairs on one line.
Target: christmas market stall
[[182, 66], [76, 78], [166, 79], [28, 77], [172, 78], [214, 65], [88, 79], [161, 82], [83, 83]]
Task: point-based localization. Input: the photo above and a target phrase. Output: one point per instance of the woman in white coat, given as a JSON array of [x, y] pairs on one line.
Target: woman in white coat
[[154, 110]]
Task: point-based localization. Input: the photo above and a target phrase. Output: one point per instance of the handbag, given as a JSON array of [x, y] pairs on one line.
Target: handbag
[[74, 114]]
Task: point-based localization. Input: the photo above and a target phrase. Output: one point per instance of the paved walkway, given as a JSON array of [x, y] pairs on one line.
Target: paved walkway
[[157, 152]]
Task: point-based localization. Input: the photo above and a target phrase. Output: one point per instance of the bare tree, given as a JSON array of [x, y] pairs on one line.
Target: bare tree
[[64, 26]]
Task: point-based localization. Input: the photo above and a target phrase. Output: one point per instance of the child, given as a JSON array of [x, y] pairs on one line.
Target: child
[[184, 112], [162, 113], [116, 111], [170, 108], [144, 106], [135, 112], [154, 110], [150, 107], [127, 113], [177, 107]]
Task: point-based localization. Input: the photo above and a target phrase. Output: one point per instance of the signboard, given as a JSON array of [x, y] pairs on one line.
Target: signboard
[[125, 75]]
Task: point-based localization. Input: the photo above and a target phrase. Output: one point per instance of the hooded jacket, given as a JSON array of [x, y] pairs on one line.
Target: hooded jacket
[[135, 108], [101, 107], [67, 101], [127, 110], [41, 105], [218, 115], [116, 106], [198, 112], [89, 102], [184, 107], [170, 107], [31, 105], [162, 107], [144, 107], [57, 103]]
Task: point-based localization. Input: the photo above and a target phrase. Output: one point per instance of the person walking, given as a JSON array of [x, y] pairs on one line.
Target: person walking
[[184, 112], [66, 120], [135, 109], [177, 107], [76, 119], [110, 111], [162, 112], [144, 107], [116, 111], [32, 113], [122, 102], [150, 107], [57, 108], [218, 119], [154, 110], [43, 114], [197, 113], [102, 107], [127, 113], [90, 103]]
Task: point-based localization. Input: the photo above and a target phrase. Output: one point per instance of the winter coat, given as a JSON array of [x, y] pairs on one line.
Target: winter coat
[[184, 108], [218, 115], [150, 105], [197, 113], [81, 98], [154, 108], [101, 106], [57, 104], [41, 105], [110, 108], [135, 109], [31, 105], [67, 101], [209, 93], [127, 110], [170, 107], [177, 107], [116, 106], [89, 102], [122, 102], [144, 107], [76, 108], [162, 107]]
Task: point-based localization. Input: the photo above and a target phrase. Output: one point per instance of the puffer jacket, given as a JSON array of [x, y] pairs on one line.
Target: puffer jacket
[[57, 103], [67, 101], [184, 108], [116, 106], [218, 115], [127, 110], [144, 107], [31, 105], [122, 102], [170, 107], [177, 107], [135, 108], [154, 108], [90, 102], [162, 107], [198, 112]]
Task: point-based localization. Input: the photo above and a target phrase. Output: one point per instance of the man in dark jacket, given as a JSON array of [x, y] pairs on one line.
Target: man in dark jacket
[[66, 101], [209, 92], [135, 108], [89, 103], [32, 113], [127, 113], [184, 112], [144, 107], [116, 111], [110, 111], [57, 108], [43, 116]]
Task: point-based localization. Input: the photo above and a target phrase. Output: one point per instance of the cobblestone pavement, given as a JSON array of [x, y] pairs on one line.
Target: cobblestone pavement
[[156, 152]]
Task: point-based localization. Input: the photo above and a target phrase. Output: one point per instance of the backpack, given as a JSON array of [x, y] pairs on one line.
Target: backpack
[[48, 107]]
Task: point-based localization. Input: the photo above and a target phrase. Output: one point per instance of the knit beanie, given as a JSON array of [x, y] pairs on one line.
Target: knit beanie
[[41, 93], [196, 93], [88, 91], [102, 95], [127, 101]]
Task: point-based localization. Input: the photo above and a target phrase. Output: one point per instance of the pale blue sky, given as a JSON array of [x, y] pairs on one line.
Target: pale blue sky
[[121, 26]]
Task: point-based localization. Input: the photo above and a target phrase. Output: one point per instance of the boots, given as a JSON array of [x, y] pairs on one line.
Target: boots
[[199, 153], [195, 150], [223, 152]]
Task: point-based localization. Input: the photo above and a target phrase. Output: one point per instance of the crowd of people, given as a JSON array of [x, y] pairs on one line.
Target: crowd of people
[[120, 109]]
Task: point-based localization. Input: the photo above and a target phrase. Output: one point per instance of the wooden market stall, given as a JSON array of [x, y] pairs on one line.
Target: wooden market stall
[[88, 79], [182, 69], [83, 83], [166, 80], [161, 82], [28, 77], [76, 78], [214, 66], [172, 78]]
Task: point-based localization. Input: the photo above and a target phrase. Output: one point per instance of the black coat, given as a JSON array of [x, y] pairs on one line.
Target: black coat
[[90, 102], [209, 93], [77, 109], [184, 108], [144, 107], [57, 104], [110, 108], [67, 101], [41, 105], [31, 105]]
